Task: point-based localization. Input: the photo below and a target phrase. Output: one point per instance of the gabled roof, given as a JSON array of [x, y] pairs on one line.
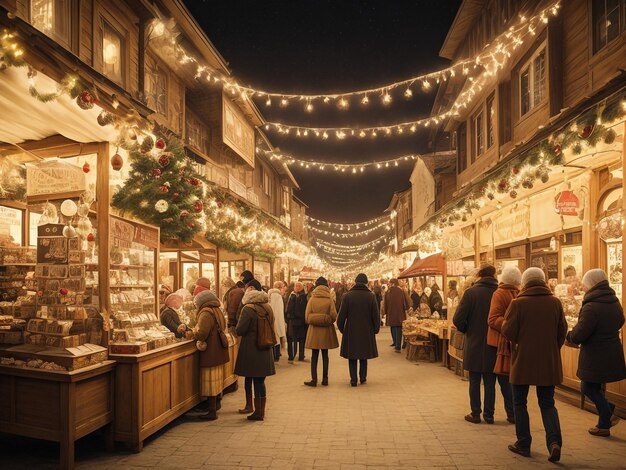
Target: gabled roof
[[463, 21]]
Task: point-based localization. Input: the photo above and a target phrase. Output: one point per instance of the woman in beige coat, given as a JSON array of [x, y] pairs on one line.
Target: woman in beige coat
[[320, 315]]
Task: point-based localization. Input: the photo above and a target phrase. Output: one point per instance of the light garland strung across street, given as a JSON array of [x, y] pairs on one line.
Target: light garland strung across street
[[336, 261], [385, 224], [499, 53], [348, 247], [342, 167], [348, 227], [424, 82]]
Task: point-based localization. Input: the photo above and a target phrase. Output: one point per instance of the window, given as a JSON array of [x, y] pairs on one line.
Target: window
[[478, 142], [286, 199], [52, 17], [532, 82], [461, 148], [112, 57], [490, 120], [266, 181], [609, 17], [157, 90]]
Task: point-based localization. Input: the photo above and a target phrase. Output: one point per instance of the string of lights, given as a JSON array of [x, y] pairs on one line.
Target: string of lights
[[347, 247], [423, 82], [348, 227], [342, 167], [360, 233]]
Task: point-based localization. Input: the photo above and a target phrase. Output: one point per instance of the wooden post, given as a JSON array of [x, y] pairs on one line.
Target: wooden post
[[623, 226], [102, 217]]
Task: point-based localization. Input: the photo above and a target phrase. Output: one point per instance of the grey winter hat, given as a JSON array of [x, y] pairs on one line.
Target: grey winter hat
[[511, 275], [254, 283], [321, 281], [593, 277], [361, 279], [533, 275], [203, 297]]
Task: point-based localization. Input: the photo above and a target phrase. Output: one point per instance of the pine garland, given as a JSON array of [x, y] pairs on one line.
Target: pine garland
[[163, 189]]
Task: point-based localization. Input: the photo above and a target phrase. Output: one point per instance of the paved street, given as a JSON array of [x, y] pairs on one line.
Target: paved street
[[407, 415]]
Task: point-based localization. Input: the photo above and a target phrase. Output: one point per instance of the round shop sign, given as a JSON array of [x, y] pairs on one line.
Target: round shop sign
[[566, 203]]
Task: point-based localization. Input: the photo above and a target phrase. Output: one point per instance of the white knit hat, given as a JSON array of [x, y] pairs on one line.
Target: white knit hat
[[511, 275], [533, 274], [593, 277]]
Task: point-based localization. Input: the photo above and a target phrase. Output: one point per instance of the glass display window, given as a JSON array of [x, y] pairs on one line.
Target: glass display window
[[11, 226]]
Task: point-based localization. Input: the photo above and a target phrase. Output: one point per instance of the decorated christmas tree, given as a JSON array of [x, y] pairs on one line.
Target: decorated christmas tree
[[163, 189]]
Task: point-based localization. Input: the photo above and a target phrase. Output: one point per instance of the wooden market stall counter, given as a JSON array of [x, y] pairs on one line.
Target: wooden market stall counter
[[57, 406], [153, 389], [440, 334]]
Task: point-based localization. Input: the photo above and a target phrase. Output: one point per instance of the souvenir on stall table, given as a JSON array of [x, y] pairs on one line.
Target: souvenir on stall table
[[77, 271]]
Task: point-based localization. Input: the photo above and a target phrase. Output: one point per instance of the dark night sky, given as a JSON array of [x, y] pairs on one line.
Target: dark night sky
[[313, 46]]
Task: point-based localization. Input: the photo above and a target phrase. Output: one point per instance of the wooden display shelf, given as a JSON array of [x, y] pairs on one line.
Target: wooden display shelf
[[153, 389], [57, 406]]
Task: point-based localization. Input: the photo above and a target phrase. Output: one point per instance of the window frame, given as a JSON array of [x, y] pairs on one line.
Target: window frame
[[266, 183], [107, 25], [65, 12], [621, 10], [154, 73], [490, 129], [478, 134], [530, 66]]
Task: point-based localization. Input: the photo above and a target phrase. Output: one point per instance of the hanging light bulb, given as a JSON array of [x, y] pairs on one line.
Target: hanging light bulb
[[309, 107], [365, 100], [386, 98], [343, 103], [284, 102], [408, 93]]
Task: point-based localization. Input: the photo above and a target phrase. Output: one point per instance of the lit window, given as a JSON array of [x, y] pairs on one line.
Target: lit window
[[266, 181], [51, 17], [609, 17], [490, 120], [157, 90], [477, 134], [112, 54], [533, 82]]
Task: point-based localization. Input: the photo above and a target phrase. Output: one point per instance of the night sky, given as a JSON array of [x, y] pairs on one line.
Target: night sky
[[314, 46]]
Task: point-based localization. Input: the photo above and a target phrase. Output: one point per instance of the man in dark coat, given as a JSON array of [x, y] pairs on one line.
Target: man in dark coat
[[601, 358], [395, 309], [296, 324], [359, 322], [479, 358], [536, 326]]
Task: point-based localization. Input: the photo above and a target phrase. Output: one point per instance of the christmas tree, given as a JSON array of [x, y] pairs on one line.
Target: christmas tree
[[163, 189]]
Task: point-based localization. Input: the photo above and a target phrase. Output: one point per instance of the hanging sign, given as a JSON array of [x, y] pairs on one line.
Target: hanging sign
[[51, 179], [566, 203], [122, 233], [147, 236]]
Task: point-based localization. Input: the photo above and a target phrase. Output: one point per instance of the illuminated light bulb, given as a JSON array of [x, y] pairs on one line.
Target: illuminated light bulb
[[365, 100], [268, 102], [325, 135], [267, 126], [326, 99], [309, 107], [374, 134], [317, 133], [343, 170], [400, 130], [387, 131], [298, 132], [284, 102], [307, 165], [408, 93], [306, 133], [353, 170], [362, 169], [386, 98], [378, 165], [426, 85], [321, 167], [343, 103], [362, 133], [395, 163], [387, 165], [413, 128], [301, 164]]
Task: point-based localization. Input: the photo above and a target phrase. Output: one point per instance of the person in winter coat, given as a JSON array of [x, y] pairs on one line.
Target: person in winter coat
[[359, 322], [202, 284], [278, 307], [416, 295], [296, 324], [601, 358], [169, 317], [535, 324], [232, 299], [208, 333], [320, 315], [425, 310], [507, 290], [478, 358], [253, 363], [339, 292], [395, 309], [435, 302]]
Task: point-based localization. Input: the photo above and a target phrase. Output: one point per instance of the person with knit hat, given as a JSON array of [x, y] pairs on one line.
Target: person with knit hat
[[296, 322], [320, 315], [169, 315], [202, 284], [246, 276], [510, 281], [601, 358], [253, 363], [209, 334], [359, 323], [478, 358], [535, 324], [164, 291]]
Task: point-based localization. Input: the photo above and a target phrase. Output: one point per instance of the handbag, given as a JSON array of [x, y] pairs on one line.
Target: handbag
[[220, 332]]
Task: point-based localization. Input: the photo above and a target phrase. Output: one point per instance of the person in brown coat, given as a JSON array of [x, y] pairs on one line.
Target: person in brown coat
[[213, 352], [320, 315], [507, 290], [232, 299], [535, 324], [601, 358], [395, 308]]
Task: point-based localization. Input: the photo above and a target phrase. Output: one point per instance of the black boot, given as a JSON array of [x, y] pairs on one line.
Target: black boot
[[211, 415], [248, 409], [219, 402]]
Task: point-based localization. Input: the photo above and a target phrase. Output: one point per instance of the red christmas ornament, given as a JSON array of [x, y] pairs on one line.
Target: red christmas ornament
[[86, 168], [503, 185], [40, 293], [184, 214], [163, 188], [219, 204], [63, 291], [164, 160], [117, 162], [176, 195], [587, 130], [194, 181], [155, 172], [198, 206], [191, 225], [91, 237], [160, 144], [557, 149], [85, 100], [514, 170]]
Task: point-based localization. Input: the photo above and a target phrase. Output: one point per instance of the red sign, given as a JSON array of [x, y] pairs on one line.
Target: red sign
[[566, 203]]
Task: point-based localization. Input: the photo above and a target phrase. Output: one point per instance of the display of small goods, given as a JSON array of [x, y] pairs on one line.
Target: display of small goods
[[52, 324], [135, 326], [15, 265], [614, 254]]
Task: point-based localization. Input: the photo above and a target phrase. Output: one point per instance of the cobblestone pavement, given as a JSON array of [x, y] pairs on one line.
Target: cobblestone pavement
[[408, 415]]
